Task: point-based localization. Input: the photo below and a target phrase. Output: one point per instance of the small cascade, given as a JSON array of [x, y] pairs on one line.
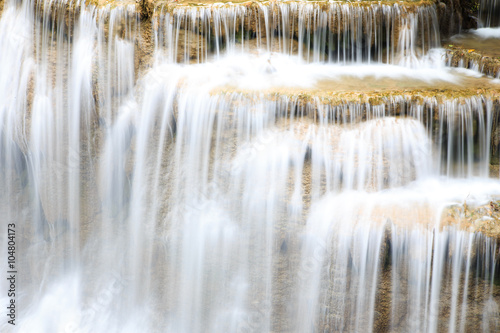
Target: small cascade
[[351, 278], [270, 166], [326, 32], [489, 13]]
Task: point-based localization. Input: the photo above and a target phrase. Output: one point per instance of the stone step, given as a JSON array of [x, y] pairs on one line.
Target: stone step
[[474, 52]]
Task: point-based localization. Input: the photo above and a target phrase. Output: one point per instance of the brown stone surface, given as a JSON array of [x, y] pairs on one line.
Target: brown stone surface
[[484, 219]]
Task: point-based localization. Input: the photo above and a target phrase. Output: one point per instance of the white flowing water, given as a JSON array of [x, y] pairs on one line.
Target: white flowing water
[[489, 13], [333, 31], [215, 192]]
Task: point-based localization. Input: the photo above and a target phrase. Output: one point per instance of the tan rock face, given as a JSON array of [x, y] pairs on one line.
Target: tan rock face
[[484, 219]]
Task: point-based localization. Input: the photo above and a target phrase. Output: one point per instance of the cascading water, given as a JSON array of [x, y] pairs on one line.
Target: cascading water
[[479, 49], [274, 166], [333, 32]]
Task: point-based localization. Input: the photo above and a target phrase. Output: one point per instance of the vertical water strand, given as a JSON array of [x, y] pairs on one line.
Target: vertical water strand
[[300, 33], [482, 123], [476, 135], [115, 54], [153, 130], [264, 27], [439, 251], [243, 33], [315, 33], [492, 307], [467, 149], [349, 37], [167, 36], [80, 111], [44, 124], [43, 153], [52, 158], [238, 17], [485, 270], [114, 74], [428, 17], [17, 66], [124, 48], [359, 36], [393, 21], [378, 40], [160, 32], [157, 107], [287, 28], [208, 35], [179, 23], [104, 104], [53, 164], [324, 32], [282, 28], [219, 22], [296, 203], [196, 241], [314, 255], [468, 263], [467, 135], [458, 248], [192, 39], [168, 28], [330, 38], [367, 270], [217, 30], [489, 13], [488, 126], [416, 266], [369, 31], [309, 32], [182, 48], [274, 37], [450, 125], [259, 182], [406, 40]]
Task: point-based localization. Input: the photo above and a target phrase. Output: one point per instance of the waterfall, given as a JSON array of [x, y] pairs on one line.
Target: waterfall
[[280, 166], [331, 32], [489, 13]]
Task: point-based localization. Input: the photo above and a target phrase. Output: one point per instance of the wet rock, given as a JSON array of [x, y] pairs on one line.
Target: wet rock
[[455, 16], [473, 59], [484, 219], [190, 46], [283, 247]]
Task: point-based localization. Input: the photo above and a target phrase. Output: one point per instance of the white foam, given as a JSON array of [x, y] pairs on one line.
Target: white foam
[[486, 33], [273, 70]]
